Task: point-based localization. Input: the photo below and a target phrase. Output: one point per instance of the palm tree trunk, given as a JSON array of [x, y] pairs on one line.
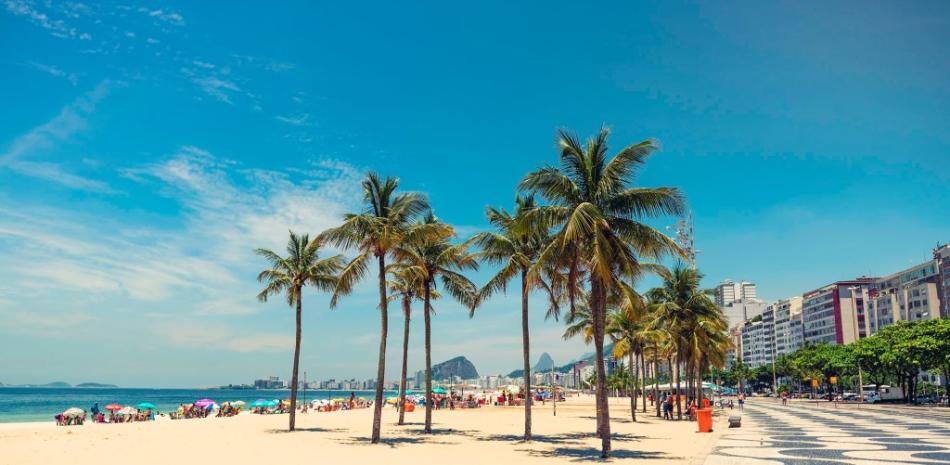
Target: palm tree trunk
[[669, 361], [428, 349], [679, 407], [407, 311], [699, 380], [598, 312], [293, 377], [633, 388], [643, 376], [526, 346], [656, 378], [381, 368]]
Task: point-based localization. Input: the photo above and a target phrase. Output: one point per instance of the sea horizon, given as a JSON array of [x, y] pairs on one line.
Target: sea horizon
[[41, 404]]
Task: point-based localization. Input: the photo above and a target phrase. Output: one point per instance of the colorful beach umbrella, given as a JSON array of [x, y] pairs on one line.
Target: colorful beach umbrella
[[238, 403], [145, 406], [204, 402], [113, 407], [438, 390], [73, 412]]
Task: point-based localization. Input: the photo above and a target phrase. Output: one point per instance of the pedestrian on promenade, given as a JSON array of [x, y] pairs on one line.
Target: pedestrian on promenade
[[741, 400]]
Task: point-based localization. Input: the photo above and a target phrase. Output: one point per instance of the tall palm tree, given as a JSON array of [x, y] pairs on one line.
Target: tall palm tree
[[385, 222], [626, 327], [678, 307], [599, 230], [516, 245], [288, 275], [709, 341], [405, 287], [434, 258]]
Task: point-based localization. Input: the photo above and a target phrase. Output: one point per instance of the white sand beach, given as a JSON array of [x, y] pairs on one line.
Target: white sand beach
[[488, 435]]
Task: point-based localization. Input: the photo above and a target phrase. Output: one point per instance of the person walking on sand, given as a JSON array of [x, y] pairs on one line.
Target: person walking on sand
[[741, 400], [784, 398]]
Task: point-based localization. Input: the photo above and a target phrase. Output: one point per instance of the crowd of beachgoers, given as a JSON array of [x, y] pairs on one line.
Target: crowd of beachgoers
[[205, 408]]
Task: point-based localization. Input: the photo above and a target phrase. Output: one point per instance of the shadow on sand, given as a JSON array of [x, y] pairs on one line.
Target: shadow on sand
[[567, 438], [307, 430], [592, 454]]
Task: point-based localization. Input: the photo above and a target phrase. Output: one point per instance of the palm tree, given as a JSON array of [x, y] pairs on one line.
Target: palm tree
[[678, 307], [433, 258], [626, 327], [405, 287], [516, 246], [288, 275], [598, 217], [709, 341], [384, 223]]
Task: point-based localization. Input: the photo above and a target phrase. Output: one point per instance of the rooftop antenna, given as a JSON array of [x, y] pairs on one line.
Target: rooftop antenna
[[684, 237]]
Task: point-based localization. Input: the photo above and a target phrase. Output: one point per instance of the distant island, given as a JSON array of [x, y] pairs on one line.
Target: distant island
[[61, 384]]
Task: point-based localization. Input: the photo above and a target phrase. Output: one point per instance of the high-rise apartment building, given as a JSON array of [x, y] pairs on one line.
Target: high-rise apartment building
[[758, 339], [738, 301], [836, 313], [942, 259], [788, 325], [909, 295], [729, 292]]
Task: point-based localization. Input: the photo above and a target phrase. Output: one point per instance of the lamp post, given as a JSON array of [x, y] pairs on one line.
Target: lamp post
[[553, 388], [857, 336]]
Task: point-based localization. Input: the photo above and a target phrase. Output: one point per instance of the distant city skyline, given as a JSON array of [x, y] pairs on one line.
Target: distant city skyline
[[145, 152]]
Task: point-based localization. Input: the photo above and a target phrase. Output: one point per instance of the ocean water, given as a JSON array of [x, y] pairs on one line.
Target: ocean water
[[41, 404]]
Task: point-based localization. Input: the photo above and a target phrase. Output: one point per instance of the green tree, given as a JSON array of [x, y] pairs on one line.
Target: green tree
[[515, 244], [385, 222], [288, 275], [627, 327], [688, 315], [405, 286], [431, 259], [598, 216]]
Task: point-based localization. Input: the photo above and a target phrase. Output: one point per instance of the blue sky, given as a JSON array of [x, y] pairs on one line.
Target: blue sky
[[146, 149]]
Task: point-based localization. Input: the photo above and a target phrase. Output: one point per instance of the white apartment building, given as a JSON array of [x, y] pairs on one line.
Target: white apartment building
[[729, 292], [758, 339], [788, 325], [909, 295]]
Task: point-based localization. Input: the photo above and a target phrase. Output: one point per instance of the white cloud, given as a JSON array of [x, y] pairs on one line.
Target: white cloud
[[202, 266], [55, 173], [299, 120], [70, 120], [217, 88], [203, 64], [168, 16], [73, 78], [56, 27]]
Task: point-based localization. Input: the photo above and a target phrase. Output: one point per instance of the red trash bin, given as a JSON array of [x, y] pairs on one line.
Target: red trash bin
[[704, 420]]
